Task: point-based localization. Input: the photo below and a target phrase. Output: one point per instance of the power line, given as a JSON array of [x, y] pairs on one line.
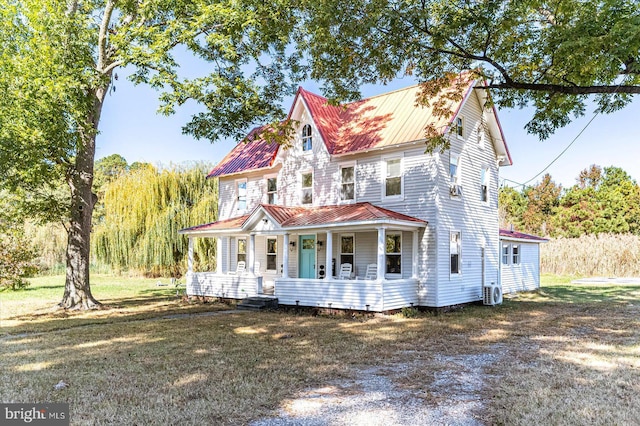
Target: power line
[[571, 143]]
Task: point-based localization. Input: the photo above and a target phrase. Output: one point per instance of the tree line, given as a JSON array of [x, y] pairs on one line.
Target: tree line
[[603, 200]]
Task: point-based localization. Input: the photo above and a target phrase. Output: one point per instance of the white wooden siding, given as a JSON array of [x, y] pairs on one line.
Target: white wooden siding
[[524, 276], [351, 294], [425, 196], [477, 221], [219, 285]]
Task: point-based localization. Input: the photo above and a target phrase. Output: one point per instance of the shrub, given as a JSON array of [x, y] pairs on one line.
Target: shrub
[[17, 261]]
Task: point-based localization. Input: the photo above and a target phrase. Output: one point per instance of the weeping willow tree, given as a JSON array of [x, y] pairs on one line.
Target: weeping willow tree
[[143, 211]]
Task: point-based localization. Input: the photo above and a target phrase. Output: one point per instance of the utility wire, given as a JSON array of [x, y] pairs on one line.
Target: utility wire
[[597, 113]]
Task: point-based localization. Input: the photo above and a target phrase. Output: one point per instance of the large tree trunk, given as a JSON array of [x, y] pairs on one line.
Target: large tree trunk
[[77, 290]]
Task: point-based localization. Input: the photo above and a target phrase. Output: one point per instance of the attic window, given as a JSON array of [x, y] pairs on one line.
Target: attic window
[[459, 128], [306, 138]]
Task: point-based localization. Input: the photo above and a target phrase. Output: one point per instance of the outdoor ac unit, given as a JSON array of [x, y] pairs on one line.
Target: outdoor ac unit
[[492, 294], [455, 190]]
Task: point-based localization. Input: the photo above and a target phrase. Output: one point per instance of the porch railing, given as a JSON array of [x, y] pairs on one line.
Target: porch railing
[[221, 285], [362, 295]]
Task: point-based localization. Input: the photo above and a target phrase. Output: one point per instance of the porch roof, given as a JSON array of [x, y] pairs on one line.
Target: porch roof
[[304, 218]]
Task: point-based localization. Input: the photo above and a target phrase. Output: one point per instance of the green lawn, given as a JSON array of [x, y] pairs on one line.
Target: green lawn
[[565, 355], [34, 309]]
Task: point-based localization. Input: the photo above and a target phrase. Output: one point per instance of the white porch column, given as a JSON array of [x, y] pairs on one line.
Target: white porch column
[[218, 255], [416, 257], [329, 252], [190, 257], [285, 256], [228, 240], [382, 232], [252, 254]]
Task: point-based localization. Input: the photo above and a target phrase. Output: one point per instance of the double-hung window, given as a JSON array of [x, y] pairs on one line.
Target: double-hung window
[[393, 253], [241, 187], [393, 177], [272, 190], [484, 185], [506, 253], [454, 250], [454, 169], [454, 175], [307, 187], [515, 254], [272, 254], [307, 143], [347, 183], [347, 250], [242, 250]]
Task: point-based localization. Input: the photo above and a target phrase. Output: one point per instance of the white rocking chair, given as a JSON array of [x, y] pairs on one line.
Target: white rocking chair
[[240, 268], [345, 271], [372, 272]]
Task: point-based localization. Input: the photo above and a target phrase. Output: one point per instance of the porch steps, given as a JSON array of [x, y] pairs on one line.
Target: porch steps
[[258, 303]]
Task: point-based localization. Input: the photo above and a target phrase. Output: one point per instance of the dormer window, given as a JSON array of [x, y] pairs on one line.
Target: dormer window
[[307, 144]]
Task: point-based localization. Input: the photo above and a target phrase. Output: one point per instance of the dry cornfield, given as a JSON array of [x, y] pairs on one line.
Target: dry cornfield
[[610, 255]]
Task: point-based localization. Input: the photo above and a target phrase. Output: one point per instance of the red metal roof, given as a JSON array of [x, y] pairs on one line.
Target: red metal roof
[[233, 223], [294, 217], [252, 155], [330, 215], [384, 120], [521, 236]]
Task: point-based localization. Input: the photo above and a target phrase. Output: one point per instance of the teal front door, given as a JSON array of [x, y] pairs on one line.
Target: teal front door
[[307, 259]]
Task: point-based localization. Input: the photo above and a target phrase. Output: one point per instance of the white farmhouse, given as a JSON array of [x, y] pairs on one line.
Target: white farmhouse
[[354, 214]]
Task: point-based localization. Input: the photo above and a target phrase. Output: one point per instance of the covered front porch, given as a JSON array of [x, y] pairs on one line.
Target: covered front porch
[[296, 254]]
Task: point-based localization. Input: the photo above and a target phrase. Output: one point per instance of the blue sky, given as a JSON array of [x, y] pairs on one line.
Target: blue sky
[[130, 127]]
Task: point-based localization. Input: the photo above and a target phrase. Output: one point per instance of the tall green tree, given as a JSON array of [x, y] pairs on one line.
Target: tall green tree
[[58, 61], [549, 54], [144, 209], [542, 200]]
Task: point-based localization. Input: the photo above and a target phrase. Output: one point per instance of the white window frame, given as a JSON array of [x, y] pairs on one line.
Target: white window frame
[[351, 164], [238, 240], [506, 254], [516, 254], [304, 188], [266, 188], [384, 167], [238, 196], [457, 251], [458, 127], [353, 253], [481, 134], [387, 253], [304, 138], [275, 254], [455, 179], [485, 175]]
